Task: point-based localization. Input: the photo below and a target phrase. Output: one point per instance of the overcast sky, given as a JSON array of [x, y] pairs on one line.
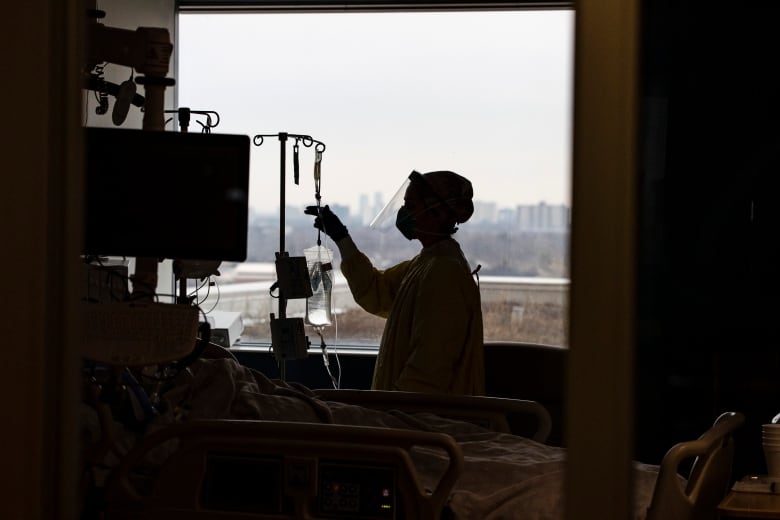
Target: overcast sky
[[485, 94]]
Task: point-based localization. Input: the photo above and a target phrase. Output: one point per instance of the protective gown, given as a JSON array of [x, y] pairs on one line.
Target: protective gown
[[432, 340]]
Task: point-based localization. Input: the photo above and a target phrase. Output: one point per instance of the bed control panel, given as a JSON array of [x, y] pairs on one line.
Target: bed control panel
[[356, 491]]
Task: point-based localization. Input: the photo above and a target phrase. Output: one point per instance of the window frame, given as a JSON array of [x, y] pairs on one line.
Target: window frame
[[324, 6], [365, 5]]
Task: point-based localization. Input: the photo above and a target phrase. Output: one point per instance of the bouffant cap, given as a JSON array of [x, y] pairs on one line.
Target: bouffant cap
[[454, 190]]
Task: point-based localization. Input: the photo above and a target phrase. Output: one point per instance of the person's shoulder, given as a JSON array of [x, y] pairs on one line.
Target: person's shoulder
[[449, 267], [446, 277]]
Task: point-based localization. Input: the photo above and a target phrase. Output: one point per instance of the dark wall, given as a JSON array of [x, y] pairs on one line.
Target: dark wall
[[709, 198]]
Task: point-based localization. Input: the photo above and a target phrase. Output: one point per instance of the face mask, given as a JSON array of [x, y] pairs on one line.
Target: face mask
[[405, 223]]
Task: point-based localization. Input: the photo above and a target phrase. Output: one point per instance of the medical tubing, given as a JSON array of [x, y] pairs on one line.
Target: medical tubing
[[142, 398], [326, 362], [336, 342], [200, 347], [337, 381]]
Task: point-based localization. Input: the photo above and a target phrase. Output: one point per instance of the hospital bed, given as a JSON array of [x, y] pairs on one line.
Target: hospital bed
[[279, 470], [380, 455], [267, 470]]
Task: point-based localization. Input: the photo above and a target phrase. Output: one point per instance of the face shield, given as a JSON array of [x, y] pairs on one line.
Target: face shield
[[385, 220], [428, 194]]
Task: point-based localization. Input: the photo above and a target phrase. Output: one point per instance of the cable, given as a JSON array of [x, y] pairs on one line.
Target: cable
[[203, 342], [219, 294], [194, 293]]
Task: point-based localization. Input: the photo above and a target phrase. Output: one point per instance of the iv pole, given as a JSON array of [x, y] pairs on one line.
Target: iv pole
[[319, 147]]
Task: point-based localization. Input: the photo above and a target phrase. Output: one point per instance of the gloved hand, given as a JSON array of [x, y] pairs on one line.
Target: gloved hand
[[327, 222]]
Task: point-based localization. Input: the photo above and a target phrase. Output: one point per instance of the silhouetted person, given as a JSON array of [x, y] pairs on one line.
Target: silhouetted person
[[432, 340]]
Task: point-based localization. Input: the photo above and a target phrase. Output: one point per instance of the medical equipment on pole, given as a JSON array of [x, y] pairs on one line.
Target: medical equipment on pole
[[193, 269], [148, 50], [319, 263], [294, 278]]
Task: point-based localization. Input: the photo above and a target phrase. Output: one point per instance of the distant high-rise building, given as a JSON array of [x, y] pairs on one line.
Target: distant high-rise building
[[485, 212], [368, 210], [379, 203], [363, 209], [543, 218], [505, 217]]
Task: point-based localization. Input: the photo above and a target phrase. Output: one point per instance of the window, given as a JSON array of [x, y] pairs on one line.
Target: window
[[485, 94]]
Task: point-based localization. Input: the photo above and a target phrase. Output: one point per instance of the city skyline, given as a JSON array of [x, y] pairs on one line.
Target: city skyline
[[541, 216]]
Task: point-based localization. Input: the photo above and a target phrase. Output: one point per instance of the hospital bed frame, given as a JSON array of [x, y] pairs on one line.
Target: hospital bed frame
[[218, 466], [292, 470], [267, 470]]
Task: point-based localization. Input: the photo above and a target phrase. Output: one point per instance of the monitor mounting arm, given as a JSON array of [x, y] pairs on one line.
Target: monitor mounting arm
[[147, 50]]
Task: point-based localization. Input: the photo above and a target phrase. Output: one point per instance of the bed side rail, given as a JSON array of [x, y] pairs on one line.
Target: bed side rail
[[301, 449], [495, 413]]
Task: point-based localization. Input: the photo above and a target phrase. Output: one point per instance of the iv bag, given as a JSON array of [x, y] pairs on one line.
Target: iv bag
[[318, 262]]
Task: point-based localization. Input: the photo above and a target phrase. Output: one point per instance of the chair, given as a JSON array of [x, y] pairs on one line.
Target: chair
[[709, 478]]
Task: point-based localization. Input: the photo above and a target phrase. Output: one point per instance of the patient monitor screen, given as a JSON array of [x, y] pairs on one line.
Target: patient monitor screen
[[166, 194]]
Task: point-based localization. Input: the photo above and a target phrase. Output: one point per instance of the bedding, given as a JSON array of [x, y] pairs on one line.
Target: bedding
[[504, 477]]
